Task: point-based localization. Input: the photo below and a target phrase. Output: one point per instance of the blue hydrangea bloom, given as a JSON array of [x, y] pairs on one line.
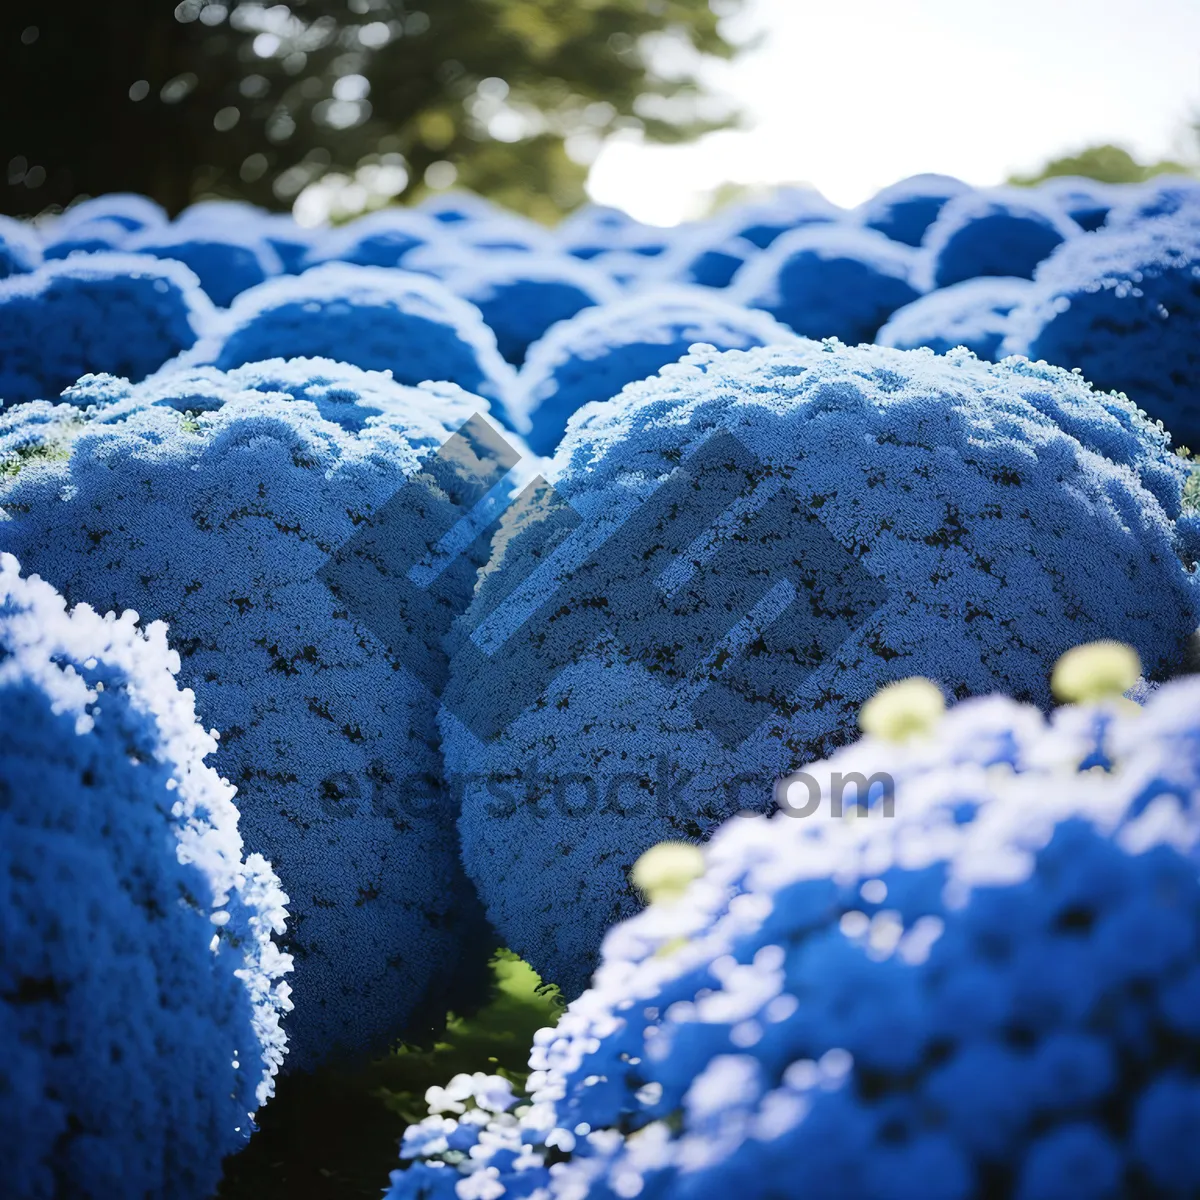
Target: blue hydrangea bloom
[[595, 229], [220, 214], [125, 314], [986, 984], [705, 254], [521, 294], [973, 313], [131, 211], [86, 237], [226, 259], [904, 210], [20, 250], [458, 208], [506, 233], [762, 221], [831, 281], [293, 243], [1005, 231], [1123, 305], [374, 318], [220, 519], [140, 987], [628, 269], [1086, 201], [595, 354], [727, 560], [1163, 196], [380, 239]]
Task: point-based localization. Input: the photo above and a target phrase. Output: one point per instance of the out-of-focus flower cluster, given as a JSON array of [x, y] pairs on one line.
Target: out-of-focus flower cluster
[[985, 979]]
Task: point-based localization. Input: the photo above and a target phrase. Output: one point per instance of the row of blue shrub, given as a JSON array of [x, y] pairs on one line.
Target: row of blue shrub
[[440, 715], [926, 262]]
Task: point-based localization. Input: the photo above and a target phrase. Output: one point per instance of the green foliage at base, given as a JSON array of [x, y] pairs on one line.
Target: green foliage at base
[[334, 1134]]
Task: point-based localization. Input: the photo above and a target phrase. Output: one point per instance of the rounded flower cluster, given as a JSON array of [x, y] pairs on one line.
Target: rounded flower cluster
[[20, 251], [708, 256], [520, 295], [595, 354], [1164, 196], [119, 313], [376, 319], [595, 230], [831, 281], [127, 209], [1123, 305], [905, 210], [140, 986], [985, 982], [380, 239], [86, 237], [274, 528], [974, 314], [998, 232], [729, 559], [458, 208], [760, 222], [1086, 201], [225, 259]]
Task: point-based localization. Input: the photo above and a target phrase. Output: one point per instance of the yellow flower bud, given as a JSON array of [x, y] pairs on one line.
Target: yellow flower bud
[[665, 870], [1096, 671], [903, 710]]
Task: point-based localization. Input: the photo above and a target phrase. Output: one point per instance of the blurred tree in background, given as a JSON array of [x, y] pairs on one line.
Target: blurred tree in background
[[1109, 164], [225, 97]]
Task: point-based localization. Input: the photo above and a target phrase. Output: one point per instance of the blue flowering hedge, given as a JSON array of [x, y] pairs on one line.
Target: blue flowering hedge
[[119, 313], [1123, 305], [986, 984], [730, 558], [215, 502], [141, 985]]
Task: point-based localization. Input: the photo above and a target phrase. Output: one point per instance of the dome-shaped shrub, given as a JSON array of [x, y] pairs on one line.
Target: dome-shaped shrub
[[595, 229], [374, 318], [706, 255], [121, 313], [762, 221], [1123, 305], [1164, 196], [293, 243], [986, 985], [1086, 201], [504, 234], [522, 295], [220, 214], [127, 209], [630, 271], [140, 989], [973, 313], [20, 250], [343, 394], [729, 559], [1005, 231], [595, 354], [904, 210], [226, 259], [380, 239], [87, 237], [277, 545], [831, 281], [458, 208]]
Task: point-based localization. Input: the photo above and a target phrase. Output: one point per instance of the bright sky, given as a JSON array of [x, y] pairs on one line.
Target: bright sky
[[850, 95]]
